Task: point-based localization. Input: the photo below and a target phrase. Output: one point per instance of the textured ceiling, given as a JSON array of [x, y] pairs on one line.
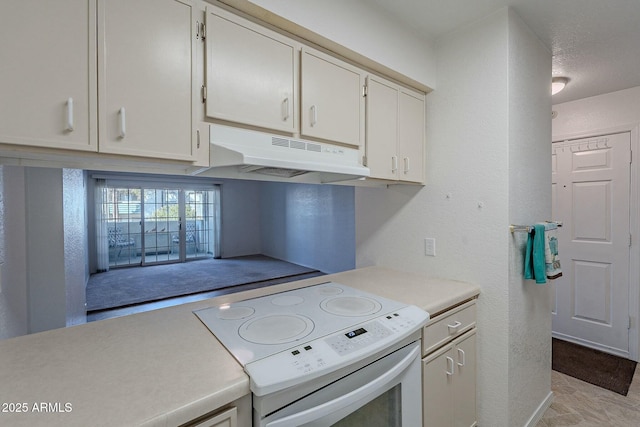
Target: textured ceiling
[[595, 43]]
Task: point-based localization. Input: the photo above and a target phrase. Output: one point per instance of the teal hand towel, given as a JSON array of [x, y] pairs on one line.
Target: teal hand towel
[[534, 259]]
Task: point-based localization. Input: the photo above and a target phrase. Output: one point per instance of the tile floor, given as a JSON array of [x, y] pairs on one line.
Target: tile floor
[[581, 404]]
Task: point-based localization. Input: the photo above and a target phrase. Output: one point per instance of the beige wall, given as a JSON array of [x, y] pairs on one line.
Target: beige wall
[[362, 28], [488, 131], [597, 114], [529, 304]]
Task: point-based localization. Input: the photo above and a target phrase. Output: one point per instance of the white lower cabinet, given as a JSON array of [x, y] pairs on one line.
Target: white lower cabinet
[[449, 384], [449, 372], [234, 414], [226, 418]]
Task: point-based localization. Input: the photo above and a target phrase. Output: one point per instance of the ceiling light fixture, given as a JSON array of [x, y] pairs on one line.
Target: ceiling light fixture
[[557, 84]]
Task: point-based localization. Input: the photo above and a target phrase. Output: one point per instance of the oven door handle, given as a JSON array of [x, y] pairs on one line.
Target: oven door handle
[[332, 406]]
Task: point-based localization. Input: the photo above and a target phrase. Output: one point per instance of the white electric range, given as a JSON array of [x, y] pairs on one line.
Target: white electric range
[[322, 333]]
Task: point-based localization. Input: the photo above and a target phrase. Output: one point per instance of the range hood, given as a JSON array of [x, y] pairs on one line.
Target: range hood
[[248, 154]]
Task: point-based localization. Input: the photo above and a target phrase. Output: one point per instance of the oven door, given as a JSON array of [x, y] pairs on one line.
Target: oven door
[[385, 393]]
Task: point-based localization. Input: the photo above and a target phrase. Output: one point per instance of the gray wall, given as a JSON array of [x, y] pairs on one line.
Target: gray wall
[[13, 295], [306, 224], [241, 226], [44, 266], [74, 219], [310, 225], [56, 247], [45, 252]]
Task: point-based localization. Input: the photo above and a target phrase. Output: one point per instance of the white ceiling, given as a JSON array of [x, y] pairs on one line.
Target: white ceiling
[[595, 43]]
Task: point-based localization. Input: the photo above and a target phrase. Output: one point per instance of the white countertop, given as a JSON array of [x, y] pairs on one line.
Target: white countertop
[[160, 367]]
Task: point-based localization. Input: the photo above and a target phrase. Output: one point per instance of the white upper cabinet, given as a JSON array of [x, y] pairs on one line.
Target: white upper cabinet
[[251, 73], [47, 73], [146, 64], [395, 146], [411, 135], [128, 78], [332, 99], [382, 129]]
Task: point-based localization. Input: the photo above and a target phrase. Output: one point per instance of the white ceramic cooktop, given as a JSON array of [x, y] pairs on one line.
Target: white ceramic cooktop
[[256, 328]]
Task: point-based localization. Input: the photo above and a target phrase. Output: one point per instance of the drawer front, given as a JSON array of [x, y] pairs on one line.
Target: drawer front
[[447, 326]]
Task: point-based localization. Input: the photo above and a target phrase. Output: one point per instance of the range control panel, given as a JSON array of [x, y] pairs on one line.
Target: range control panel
[[334, 351], [357, 339]]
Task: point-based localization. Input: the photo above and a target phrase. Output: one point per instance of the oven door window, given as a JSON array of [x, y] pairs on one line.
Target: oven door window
[[383, 411]]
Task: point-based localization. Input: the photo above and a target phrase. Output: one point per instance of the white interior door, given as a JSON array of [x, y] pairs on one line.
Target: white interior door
[[591, 182]]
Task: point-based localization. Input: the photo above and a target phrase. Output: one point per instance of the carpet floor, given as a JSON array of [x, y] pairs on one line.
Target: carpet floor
[[595, 367], [128, 286]]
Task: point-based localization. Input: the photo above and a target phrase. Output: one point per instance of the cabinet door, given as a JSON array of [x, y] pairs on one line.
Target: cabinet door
[[382, 128], [395, 131], [411, 131], [145, 63], [47, 73], [438, 370], [332, 101], [227, 418], [465, 380], [251, 73]]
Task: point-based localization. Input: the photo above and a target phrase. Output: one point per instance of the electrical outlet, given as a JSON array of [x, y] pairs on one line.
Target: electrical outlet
[[430, 246]]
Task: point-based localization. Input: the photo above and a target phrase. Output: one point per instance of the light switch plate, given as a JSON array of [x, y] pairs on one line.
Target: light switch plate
[[430, 246]]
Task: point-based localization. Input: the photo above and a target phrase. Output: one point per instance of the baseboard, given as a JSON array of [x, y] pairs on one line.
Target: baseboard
[[538, 414]]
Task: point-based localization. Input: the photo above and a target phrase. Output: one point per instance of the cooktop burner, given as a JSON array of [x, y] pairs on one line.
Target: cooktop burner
[[276, 329], [256, 328], [350, 306]]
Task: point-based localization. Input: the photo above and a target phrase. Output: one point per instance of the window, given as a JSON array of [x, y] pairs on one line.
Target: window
[[151, 224]]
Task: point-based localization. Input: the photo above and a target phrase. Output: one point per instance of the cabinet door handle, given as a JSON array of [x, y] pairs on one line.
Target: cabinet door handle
[[69, 124], [314, 115], [122, 131], [406, 165], [454, 328], [394, 164], [461, 357], [450, 366], [285, 109]]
